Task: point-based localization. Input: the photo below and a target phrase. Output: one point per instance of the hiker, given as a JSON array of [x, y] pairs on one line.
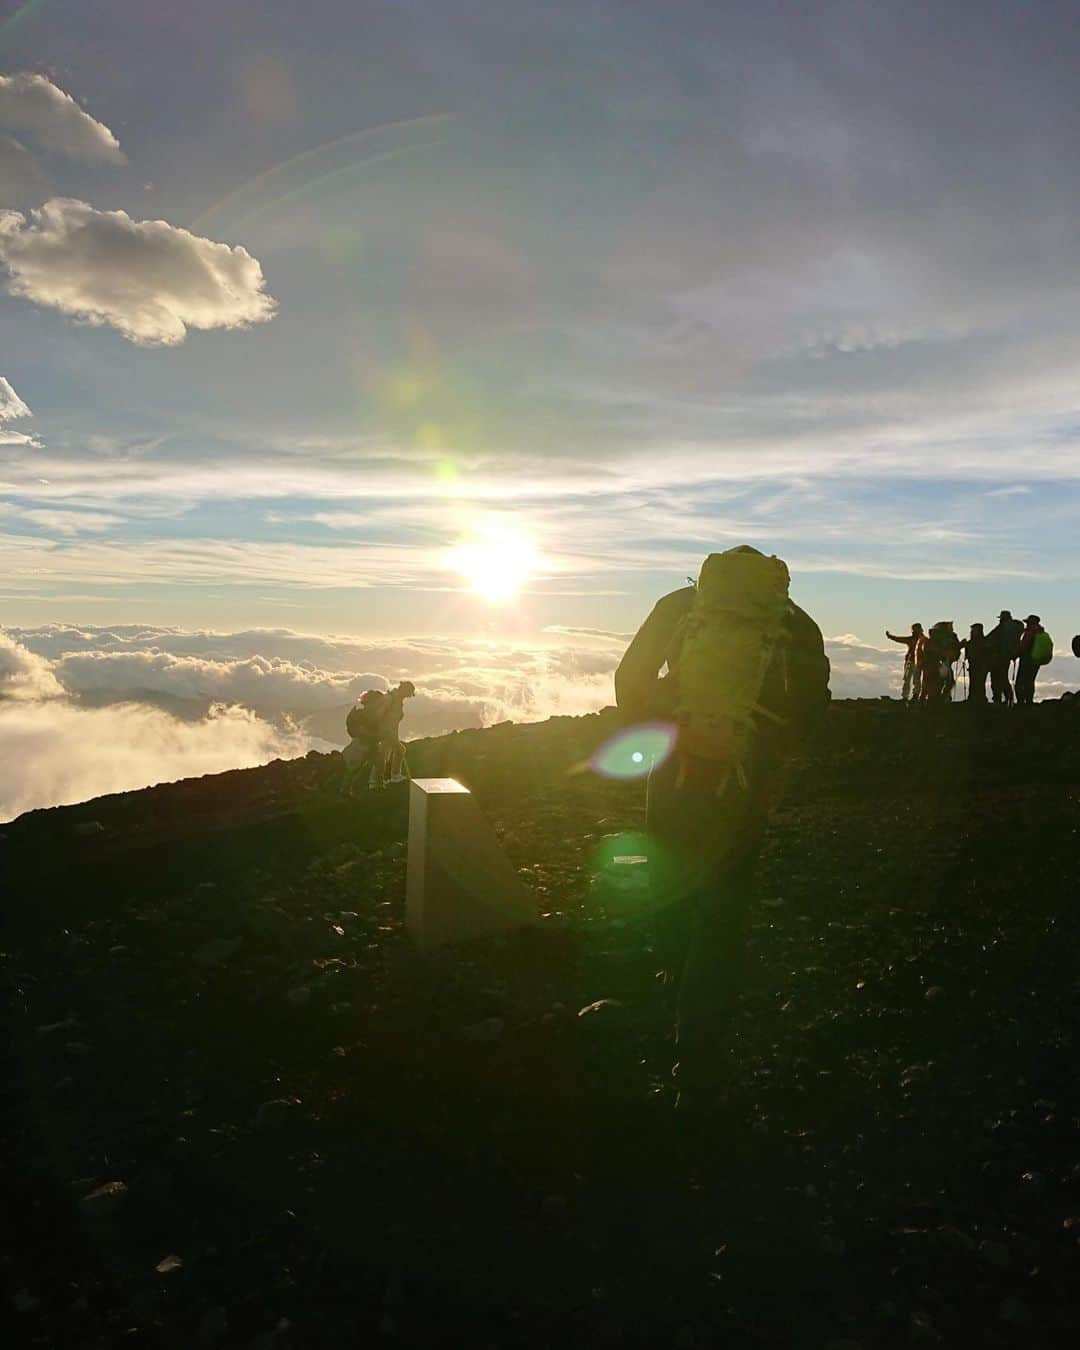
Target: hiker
[[747, 678], [1036, 650], [935, 654], [362, 724], [910, 691], [976, 650], [375, 755], [1004, 647], [393, 765]]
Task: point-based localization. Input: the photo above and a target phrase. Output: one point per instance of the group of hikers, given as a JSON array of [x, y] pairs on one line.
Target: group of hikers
[[930, 658]]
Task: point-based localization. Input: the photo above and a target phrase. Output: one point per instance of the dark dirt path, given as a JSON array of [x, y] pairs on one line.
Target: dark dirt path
[[343, 1142]]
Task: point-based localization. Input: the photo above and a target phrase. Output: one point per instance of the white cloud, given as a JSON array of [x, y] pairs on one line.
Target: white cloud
[[25, 675], [55, 752], [12, 408], [33, 106], [148, 279]]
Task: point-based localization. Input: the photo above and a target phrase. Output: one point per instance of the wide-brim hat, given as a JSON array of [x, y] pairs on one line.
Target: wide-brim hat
[[1033, 618], [1005, 614]]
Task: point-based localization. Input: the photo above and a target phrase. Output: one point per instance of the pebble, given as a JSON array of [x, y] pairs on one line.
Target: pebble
[[105, 1201], [599, 1006], [169, 1263], [85, 828], [934, 994], [299, 996]]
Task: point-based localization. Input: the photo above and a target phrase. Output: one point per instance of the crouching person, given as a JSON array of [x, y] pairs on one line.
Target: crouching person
[[747, 679], [360, 754]]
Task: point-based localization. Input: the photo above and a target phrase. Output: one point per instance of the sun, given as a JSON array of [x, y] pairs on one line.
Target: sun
[[496, 561]]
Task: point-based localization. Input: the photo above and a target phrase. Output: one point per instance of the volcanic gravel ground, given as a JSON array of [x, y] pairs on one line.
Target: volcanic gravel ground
[[323, 1138]]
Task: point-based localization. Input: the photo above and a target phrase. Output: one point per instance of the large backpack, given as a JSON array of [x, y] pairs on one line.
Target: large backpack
[[1042, 648], [363, 717], [738, 616]]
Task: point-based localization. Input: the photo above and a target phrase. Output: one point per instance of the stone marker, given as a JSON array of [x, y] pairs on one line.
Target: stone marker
[[460, 883]]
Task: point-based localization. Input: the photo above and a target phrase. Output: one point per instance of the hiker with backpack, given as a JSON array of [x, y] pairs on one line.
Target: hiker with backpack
[[910, 692], [1036, 651], [935, 655], [375, 753], [747, 679], [1004, 648], [976, 650]]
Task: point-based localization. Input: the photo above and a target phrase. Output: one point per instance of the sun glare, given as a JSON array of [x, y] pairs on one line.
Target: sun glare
[[496, 562]]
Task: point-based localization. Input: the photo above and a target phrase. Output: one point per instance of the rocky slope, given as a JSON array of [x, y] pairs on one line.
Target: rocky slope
[[242, 1111]]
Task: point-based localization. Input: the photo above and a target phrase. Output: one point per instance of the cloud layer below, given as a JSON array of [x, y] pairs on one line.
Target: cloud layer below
[[88, 710]]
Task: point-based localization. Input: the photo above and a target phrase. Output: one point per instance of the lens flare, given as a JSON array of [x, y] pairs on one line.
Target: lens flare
[[634, 752]]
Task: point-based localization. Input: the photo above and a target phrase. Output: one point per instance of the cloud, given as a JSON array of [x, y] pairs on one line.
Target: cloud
[[148, 279], [65, 523], [24, 675], [12, 408], [32, 106], [55, 752]]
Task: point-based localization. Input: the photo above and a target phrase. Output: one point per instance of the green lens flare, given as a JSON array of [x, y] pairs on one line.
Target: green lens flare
[[634, 752]]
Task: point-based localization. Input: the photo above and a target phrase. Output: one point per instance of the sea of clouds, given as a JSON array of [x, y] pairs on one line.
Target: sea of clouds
[[90, 710]]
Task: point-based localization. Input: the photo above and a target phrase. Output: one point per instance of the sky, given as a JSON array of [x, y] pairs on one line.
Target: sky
[[300, 303]]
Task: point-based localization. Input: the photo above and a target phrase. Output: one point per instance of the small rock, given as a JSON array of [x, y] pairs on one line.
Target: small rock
[[921, 1327], [995, 1254], [215, 951], [86, 828], [66, 1025], [775, 903], [275, 1114], [25, 1301], [168, 1264], [599, 1006], [490, 1029], [105, 1201], [1015, 1311], [299, 996], [934, 994]]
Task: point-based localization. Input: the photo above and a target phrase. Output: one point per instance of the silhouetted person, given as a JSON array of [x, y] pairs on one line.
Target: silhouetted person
[[747, 677], [1076, 646], [935, 654], [911, 672], [1004, 640], [1028, 667], [976, 649]]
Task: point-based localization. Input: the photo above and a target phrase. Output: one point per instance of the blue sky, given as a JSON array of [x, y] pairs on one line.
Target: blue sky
[[635, 280]]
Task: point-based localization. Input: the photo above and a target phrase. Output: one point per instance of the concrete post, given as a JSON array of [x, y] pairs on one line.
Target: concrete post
[[460, 883]]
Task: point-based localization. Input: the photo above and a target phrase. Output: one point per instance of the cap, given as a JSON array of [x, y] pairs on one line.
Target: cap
[[1033, 618]]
